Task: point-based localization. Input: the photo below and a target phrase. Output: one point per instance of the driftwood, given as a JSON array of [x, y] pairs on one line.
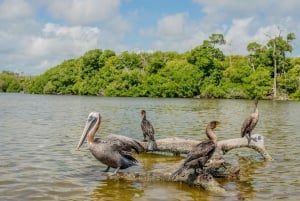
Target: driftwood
[[216, 167], [201, 181], [179, 146]]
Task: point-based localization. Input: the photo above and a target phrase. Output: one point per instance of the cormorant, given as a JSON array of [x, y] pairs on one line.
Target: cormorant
[[250, 123], [201, 152], [112, 150], [148, 130]]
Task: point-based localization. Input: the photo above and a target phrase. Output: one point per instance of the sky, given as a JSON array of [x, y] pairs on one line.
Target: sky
[[36, 35]]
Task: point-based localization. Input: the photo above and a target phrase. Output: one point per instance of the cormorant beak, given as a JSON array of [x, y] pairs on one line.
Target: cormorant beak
[[218, 124], [91, 123]]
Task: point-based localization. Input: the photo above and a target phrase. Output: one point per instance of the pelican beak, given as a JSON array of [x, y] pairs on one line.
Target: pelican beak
[[89, 125]]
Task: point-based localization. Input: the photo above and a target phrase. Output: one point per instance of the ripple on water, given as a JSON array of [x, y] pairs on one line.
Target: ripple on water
[[38, 160]]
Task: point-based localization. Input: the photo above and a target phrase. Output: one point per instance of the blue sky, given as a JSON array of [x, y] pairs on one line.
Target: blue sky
[[37, 35]]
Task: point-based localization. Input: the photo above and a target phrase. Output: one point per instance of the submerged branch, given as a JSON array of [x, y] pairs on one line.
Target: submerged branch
[[199, 181]]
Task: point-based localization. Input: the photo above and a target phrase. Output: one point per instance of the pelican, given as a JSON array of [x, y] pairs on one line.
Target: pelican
[[250, 123], [148, 130], [201, 152], [112, 150]]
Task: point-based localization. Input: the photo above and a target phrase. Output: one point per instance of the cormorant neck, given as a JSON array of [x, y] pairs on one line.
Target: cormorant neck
[[210, 134], [255, 109]]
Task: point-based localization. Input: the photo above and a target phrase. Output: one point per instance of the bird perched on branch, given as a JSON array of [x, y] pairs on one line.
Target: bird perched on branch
[[202, 152], [148, 131], [250, 123]]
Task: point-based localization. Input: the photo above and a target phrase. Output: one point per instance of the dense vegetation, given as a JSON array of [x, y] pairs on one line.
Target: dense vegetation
[[203, 71], [13, 82]]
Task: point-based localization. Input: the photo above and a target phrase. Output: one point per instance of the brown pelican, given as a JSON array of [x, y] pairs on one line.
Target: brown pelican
[[250, 123], [148, 130], [201, 152], [112, 150]]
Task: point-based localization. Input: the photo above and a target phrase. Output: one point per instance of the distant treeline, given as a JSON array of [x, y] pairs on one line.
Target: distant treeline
[[266, 72]]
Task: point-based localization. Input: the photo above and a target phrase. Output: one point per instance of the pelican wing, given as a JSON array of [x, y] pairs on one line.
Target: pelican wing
[[123, 143]]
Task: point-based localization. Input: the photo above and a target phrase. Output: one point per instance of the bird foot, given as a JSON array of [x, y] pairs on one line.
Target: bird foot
[[251, 138], [111, 173], [224, 151], [254, 139], [106, 170]]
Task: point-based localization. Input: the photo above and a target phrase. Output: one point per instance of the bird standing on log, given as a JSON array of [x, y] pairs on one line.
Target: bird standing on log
[[112, 150], [250, 123], [202, 152], [148, 130]]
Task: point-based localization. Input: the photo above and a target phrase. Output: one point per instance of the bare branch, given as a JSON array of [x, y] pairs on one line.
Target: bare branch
[[257, 144], [183, 146], [216, 167]]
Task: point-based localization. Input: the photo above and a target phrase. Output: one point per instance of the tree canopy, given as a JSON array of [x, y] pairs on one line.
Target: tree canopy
[[204, 71]]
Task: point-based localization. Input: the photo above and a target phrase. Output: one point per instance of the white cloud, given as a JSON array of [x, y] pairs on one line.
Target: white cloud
[[27, 42], [265, 17], [172, 26], [234, 8], [83, 12], [239, 35], [37, 35], [239, 28], [175, 33], [58, 43], [14, 9], [71, 33]]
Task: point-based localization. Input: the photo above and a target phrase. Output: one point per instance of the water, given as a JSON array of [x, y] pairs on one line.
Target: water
[[39, 134]]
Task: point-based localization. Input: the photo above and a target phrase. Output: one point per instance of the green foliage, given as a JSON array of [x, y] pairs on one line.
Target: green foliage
[[296, 95], [177, 79], [289, 82], [273, 56], [203, 71], [258, 84], [208, 60], [236, 70], [12, 82]]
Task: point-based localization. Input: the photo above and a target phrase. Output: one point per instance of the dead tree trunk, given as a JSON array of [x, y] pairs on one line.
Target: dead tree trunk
[[179, 146], [216, 167]]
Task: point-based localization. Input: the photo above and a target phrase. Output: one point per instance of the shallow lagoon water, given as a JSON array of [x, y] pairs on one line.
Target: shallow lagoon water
[[39, 134]]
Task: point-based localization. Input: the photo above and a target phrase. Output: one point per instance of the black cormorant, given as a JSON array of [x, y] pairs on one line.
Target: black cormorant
[[201, 152], [148, 130], [250, 123]]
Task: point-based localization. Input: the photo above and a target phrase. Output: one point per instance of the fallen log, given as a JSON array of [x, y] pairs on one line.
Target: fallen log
[[179, 146], [216, 167]]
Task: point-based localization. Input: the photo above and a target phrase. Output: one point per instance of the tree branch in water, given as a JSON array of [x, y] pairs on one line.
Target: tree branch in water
[[216, 167], [183, 146], [165, 175]]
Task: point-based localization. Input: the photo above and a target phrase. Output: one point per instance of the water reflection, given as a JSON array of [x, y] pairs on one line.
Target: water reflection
[[118, 190]]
